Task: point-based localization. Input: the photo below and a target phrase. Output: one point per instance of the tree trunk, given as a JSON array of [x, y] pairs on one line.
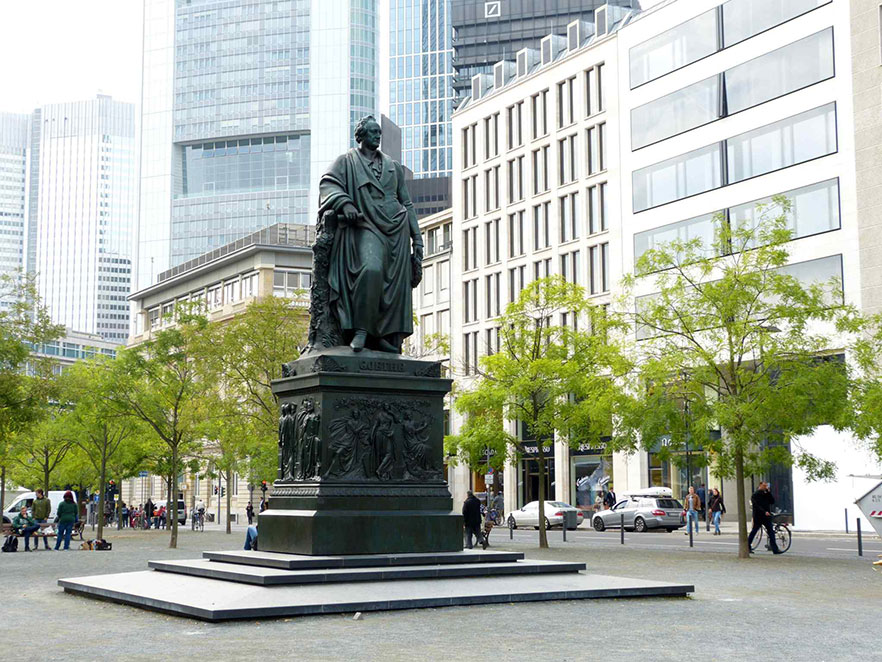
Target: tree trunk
[[229, 501], [173, 541], [543, 534], [102, 488], [743, 548], [2, 487], [46, 471]]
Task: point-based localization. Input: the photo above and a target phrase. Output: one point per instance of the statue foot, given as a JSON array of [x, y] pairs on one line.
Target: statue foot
[[386, 346], [358, 341]]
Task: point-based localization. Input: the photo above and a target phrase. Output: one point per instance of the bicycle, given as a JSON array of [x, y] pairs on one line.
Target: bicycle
[[197, 522], [781, 531]]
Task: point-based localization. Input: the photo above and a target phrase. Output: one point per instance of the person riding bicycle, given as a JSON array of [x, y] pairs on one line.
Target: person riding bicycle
[[762, 502]]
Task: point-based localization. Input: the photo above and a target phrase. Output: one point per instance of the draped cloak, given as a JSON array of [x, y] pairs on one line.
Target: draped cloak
[[388, 217]]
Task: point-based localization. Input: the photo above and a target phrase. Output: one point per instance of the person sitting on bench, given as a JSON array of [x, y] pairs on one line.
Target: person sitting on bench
[[25, 525]]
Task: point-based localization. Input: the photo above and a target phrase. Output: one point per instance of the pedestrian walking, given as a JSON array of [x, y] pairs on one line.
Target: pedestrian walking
[[702, 497], [692, 506], [717, 508], [25, 525], [249, 511], [762, 502], [125, 515], [148, 513], [471, 515], [66, 515], [41, 509], [609, 499]]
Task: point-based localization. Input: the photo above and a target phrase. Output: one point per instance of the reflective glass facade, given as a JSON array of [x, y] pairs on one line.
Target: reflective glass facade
[[13, 177], [421, 83]]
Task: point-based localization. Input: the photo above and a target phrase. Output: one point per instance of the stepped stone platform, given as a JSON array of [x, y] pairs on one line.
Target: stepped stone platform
[[248, 585]]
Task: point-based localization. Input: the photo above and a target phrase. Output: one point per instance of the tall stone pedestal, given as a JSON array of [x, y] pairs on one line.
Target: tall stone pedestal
[[360, 458]]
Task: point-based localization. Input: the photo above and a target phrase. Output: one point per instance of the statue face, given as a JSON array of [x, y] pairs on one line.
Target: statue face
[[372, 135]]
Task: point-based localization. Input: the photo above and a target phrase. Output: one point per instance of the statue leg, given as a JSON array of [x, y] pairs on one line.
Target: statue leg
[[367, 291]]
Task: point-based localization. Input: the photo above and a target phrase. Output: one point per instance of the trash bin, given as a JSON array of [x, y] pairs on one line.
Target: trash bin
[[570, 519]]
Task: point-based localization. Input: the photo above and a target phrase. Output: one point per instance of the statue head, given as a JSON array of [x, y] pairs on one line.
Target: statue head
[[307, 404], [368, 131]]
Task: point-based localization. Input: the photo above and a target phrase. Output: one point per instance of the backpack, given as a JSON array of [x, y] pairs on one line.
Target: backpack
[[11, 544]]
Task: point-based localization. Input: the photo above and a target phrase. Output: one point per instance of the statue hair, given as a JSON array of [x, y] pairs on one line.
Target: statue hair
[[361, 127]]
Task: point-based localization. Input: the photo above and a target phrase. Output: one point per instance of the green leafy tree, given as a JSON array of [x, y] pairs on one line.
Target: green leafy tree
[[866, 392], [159, 385], [556, 378], [730, 340], [36, 453], [24, 324]]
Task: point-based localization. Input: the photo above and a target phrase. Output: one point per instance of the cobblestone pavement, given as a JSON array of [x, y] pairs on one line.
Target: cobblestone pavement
[[781, 608]]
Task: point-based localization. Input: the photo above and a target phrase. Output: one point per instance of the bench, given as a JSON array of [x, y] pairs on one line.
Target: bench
[[7, 530]]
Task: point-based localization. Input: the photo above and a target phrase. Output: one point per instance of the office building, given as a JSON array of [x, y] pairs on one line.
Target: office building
[[612, 137], [81, 212], [13, 181], [244, 105]]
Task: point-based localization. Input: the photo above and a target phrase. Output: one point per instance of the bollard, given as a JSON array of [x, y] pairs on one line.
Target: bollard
[[623, 528], [565, 529], [689, 526], [846, 520], [860, 540], [510, 532]]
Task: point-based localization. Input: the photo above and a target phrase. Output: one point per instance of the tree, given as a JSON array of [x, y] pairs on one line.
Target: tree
[[730, 340], [24, 324], [37, 451], [240, 358], [556, 377], [159, 385], [866, 391], [94, 425]]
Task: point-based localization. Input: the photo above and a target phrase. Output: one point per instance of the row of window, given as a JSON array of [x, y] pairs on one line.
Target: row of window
[[709, 32], [567, 113], [812, 210], [769, 76], [230, 291], [568, 160], [793, 140], [569, 226]]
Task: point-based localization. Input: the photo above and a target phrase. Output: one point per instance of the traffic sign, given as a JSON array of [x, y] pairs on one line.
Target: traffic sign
[[142, 474]]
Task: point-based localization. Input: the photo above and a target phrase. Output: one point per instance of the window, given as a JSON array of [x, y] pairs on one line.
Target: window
[[470, 249], [231, 291], [491, 241], [491, 136], [813, 209], [491, 340], [785, 70], [568, 215], [470, 300], [491, 189], [700, 227], [539, 114], [516, 283], [541, 226], [249, 286], [491, 294], [154, 317], [516, 234], [443, 278], [594, 98], [516, 179], [542, 268], [597, 208], [598, 266], [675, 48], [793, 140], [470, 197], [513, 115], [215, 297], [470, 352], [428, 284], [566, 102], [287, 283], [688, 174], [745, 18], [595, 143], [569, 267], [540, 170], [567, 170], [469, 145]]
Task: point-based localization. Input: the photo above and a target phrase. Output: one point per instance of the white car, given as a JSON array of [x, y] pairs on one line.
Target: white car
[[554, 515]]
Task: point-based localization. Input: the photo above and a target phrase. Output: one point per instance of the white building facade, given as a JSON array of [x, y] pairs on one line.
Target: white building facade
[[654, 122], [13, 180]]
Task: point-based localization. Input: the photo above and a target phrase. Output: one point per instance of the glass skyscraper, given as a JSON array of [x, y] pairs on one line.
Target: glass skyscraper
[[13, 179], [421, 83], [244, 105], [81, 213]]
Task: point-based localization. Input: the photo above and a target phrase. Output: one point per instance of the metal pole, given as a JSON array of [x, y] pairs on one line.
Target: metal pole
[[511, 532], [564, 527], [846, 520], [860, 539], [689, 526], [622, 529]]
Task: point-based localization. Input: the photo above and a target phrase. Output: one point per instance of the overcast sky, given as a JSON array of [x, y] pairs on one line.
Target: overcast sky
[[68, 50]]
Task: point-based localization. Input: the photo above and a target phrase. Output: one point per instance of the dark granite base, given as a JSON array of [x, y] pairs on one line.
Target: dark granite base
[[306, 562], [339, 532]]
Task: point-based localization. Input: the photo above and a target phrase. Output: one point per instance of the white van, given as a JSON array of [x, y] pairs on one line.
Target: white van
[[27, 498]]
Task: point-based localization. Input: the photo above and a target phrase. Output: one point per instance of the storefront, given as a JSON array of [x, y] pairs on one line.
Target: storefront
[[590, 475], [528, 475], [680, 469]]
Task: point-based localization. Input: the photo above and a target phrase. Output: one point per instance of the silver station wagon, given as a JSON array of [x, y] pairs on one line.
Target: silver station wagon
[[641, 512]]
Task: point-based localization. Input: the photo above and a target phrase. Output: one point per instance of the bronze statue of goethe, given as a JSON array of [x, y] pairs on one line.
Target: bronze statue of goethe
[[376, 252]]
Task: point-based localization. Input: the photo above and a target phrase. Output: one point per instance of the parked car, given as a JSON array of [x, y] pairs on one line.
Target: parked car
[[641, 513], [26, 499], [554, 514]]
